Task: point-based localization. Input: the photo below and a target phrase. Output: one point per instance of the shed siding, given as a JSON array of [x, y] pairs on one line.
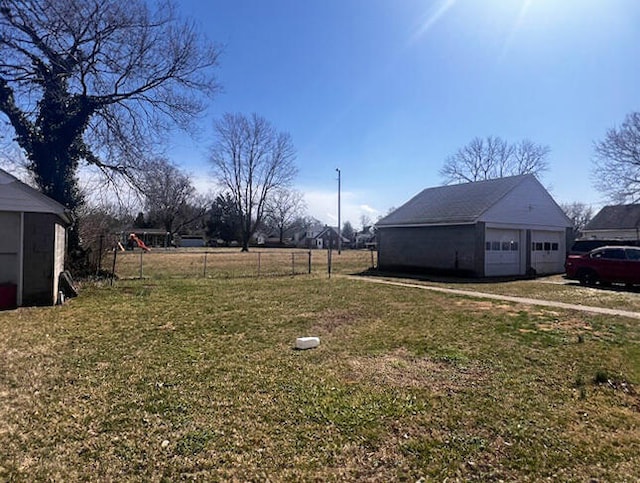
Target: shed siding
[[445, 248], [38, 268], [59, 253], [9, 247]]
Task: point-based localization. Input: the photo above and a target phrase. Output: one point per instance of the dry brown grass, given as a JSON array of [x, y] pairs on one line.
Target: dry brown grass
[[232, 263]]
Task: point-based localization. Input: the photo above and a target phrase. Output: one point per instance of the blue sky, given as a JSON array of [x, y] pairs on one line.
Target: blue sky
[[385, 90]]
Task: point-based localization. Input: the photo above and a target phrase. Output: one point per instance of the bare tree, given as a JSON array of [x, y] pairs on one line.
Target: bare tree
[[580, 215], [97, 82], [284, 206], [365, 221], [617, 162], [99, 224], [251, 160], [347, 231], [170, 199], [493, 157]]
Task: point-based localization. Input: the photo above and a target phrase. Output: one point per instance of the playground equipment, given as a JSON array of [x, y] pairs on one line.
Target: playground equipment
[[135, 241]]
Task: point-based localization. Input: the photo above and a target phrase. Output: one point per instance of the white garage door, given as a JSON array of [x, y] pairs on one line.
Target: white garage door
[[502, 252], [547, 251]]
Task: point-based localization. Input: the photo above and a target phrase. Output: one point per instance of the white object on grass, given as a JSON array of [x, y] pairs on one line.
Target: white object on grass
[[307, 342]]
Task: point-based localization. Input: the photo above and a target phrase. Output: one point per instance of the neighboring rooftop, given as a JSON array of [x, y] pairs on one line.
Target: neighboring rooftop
[[616, 217]]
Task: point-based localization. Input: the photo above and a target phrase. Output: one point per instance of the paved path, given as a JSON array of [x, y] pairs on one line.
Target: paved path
[[508, 298]]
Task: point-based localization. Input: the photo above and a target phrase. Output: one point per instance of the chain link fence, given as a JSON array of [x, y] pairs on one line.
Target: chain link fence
[[231, 263]]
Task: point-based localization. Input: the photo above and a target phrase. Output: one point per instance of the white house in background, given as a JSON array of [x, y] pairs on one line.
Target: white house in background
[[32, 244], [501, 227]]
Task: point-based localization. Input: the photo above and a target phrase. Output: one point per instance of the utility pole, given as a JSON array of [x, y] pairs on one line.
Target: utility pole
[[339, 227]]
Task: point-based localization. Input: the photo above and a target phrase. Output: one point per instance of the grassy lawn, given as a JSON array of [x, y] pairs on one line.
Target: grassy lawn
[[182, 378], [554, 288]]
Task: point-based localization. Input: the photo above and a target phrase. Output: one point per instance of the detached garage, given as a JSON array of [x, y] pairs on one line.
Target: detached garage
[[500, 227], [32, 245]]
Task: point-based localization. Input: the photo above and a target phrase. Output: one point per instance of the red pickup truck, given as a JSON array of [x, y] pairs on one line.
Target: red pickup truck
[[610, 264]]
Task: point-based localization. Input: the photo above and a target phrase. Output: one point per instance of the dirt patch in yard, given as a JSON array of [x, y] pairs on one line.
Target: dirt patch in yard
[[330, 320], [489, 306], [401, 369]]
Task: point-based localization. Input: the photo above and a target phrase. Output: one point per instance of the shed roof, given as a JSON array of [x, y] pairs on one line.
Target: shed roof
[[616, 217], [17, 196], [459, 203]]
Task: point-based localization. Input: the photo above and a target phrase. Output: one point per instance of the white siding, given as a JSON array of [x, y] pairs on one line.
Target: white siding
[[527, 204], [58, 260], [628, 234]]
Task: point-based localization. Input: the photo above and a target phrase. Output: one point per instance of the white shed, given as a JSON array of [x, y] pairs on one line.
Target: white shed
[[32, 245]]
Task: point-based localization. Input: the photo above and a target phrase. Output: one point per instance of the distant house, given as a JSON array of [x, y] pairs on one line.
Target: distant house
[[500, 227], [614, 222], [33, 244], [366, 238], [190, 241], [322, 237]]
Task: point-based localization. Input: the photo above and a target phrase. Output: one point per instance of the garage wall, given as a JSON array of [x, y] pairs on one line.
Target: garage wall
[[442, 248]]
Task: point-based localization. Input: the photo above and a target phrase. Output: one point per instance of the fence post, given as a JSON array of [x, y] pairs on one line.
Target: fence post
[[309, 262], [100, 254], [204, 270], [141, 252], [258, 264], [113, 269], [293, 264], [329, 261], [372, 266]]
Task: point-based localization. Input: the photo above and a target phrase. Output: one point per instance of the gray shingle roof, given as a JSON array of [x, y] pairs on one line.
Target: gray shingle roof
[[460, 203], [616, 217], [18, 196]]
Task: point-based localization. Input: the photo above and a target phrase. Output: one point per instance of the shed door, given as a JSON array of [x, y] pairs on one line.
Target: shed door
[[9, 247], [547, 251], [502, 252]]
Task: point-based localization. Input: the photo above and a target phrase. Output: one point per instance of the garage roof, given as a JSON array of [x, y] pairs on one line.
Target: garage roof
[[460, 203]]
